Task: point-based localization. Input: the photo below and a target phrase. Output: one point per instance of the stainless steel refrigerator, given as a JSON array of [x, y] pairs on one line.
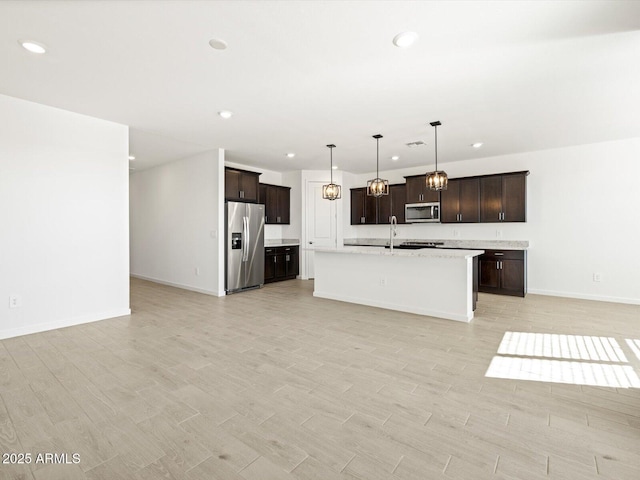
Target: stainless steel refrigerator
[[245, 246]]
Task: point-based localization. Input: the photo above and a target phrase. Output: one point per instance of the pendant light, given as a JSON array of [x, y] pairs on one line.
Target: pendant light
[[437, 180], [377, 187], [331, 191]]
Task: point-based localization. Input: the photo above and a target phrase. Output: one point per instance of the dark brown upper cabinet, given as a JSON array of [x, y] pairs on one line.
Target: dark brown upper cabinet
[[417, 191], [392, 204], [240, 185], [503, 198], [364, 208], [368, 210], [460, 202], [277, 204]]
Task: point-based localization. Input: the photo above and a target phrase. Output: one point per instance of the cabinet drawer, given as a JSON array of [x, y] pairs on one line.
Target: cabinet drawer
[[503, 255]]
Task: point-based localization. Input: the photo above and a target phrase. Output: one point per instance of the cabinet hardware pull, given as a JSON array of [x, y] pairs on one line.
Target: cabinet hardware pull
[[275, 259], [361, 219], [498, 253], [278, 219], [288, 258]]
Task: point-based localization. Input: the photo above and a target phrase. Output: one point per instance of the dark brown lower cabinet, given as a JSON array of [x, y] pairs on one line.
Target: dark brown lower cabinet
[[503, 272], [280, 263]]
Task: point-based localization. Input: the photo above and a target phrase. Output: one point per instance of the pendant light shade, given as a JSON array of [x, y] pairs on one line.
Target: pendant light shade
[[437, 180], [331, 191], [377, 187]]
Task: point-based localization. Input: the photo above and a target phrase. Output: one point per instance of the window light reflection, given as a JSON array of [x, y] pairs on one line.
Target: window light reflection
[[559, 371], [634, 345], [552, 345]]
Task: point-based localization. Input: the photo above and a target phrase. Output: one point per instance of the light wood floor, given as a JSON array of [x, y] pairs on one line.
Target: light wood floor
[[275, 384]]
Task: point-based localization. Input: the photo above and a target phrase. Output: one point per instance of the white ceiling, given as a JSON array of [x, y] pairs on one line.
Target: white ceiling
[[518, 76]]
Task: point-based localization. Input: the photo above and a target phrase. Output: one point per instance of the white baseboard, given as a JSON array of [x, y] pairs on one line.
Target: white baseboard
[[392, 306], [68, 322], [180, 285], [583, 296]]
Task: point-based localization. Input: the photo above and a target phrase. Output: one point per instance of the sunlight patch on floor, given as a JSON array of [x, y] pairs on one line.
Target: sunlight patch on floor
[[552, 345], [634, 345], [560, 371], [532, 356]]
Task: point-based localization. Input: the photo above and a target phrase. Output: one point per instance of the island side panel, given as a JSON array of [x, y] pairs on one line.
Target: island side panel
[[433, 286]]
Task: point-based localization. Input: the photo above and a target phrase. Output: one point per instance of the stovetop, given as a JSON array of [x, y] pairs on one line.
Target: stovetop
[[416, 245]]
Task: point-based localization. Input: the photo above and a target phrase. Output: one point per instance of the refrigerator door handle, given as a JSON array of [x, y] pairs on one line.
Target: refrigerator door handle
[[247, 236]]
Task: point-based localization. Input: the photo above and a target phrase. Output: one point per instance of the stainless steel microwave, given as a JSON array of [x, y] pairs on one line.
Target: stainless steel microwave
[[422, 212]]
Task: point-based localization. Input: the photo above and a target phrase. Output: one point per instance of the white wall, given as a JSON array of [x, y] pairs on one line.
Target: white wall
[[64, 247], [583, 217], [177, 229]]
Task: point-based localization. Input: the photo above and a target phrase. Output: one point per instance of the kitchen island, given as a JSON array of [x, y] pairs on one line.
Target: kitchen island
[[437, 282]]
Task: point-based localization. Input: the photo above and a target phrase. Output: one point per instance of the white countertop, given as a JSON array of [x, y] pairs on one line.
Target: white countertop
[[423, 252], [281, 242], [465, 244]]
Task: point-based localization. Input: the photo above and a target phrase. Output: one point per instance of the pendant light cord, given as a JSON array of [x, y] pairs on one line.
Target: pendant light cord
[[377, 158], [436, 127], [331, 150]]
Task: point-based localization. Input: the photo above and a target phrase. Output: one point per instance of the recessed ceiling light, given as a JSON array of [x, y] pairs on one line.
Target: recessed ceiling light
[[225, 114], [132, 157], [405, 39], [395, 158], [477, 145], [291, 155], [33, 47], [335, 167], [218, 44]]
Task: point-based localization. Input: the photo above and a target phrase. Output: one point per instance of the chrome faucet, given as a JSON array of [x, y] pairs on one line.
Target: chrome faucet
[[393, 227]]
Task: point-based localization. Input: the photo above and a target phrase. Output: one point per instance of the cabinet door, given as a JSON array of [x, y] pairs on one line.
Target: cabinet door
[[249, 187], [449, 202], [430, 195], [280, 264], [262, 195], [512, 277], [489, 275], [415, 189], [271, 205], [514, 201], [231, 184], [269, 266], [370, 209], [469, 200], [291, 258], [284, 196], [384, 207], [398, 194], [491, 198], [357, 206]]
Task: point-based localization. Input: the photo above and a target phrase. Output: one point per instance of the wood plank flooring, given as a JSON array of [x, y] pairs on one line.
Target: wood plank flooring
[[275, 384]]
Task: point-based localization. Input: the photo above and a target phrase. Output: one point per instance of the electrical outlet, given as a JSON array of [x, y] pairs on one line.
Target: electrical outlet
[[15, 301], [214, 233], [197, 271], [597, 277], [456, 233], [498, 233], [383, 282]]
